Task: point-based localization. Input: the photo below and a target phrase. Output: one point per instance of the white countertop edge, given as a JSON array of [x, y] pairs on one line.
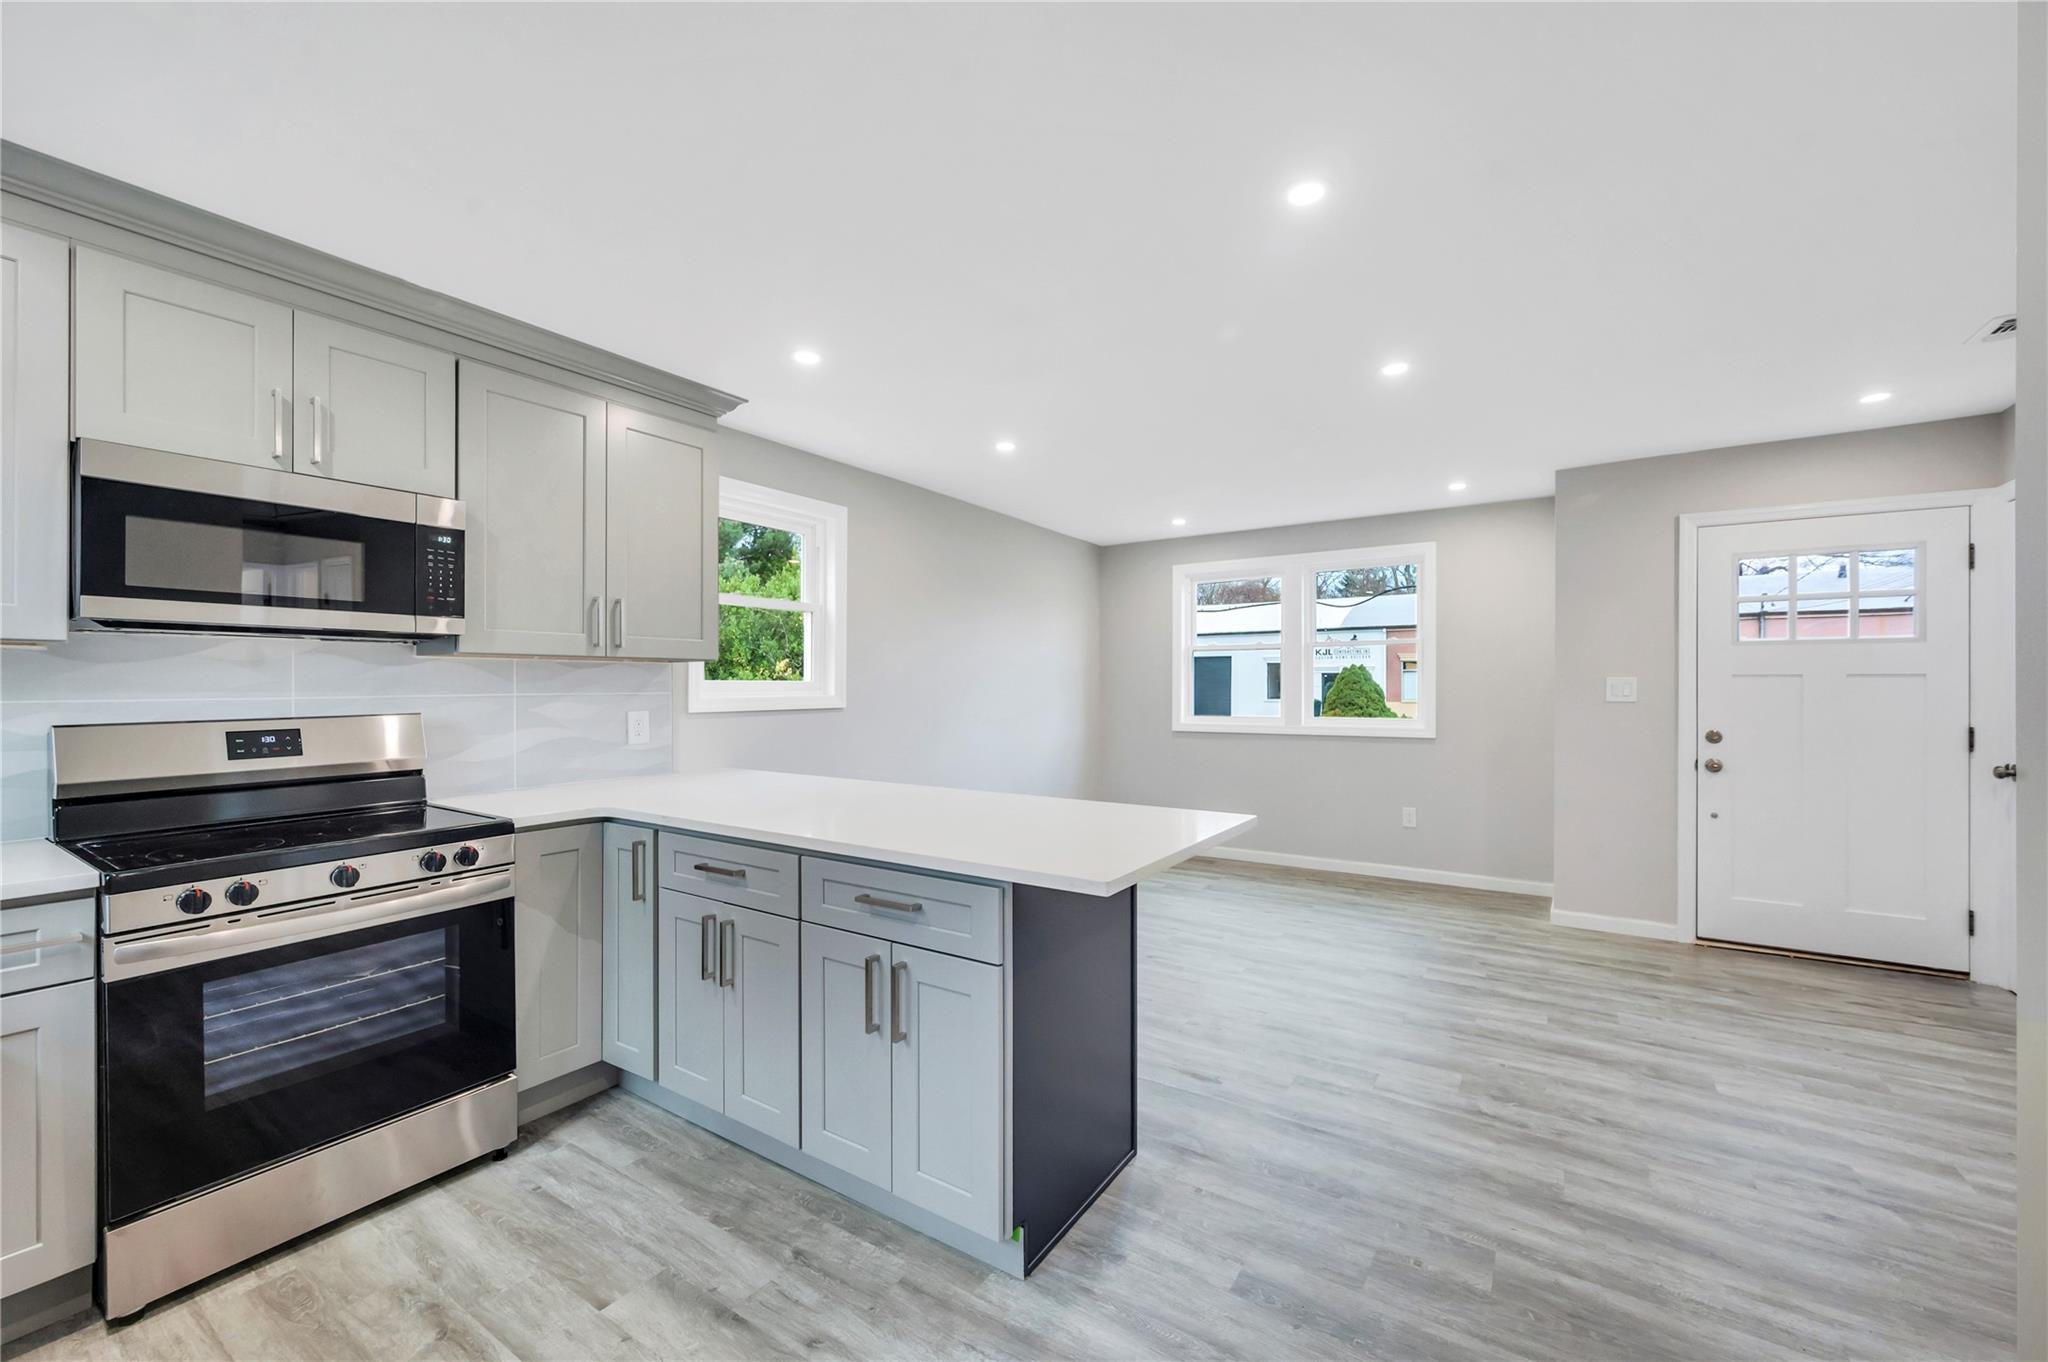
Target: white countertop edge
[[35, 870], [609, 813]]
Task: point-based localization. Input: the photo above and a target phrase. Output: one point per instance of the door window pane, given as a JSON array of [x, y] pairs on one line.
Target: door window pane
[[1823, 617], [1760, 620], [1762, 576], [756, 643], [1885, 617], [1823, 573], [1887, 570], [760, 560]]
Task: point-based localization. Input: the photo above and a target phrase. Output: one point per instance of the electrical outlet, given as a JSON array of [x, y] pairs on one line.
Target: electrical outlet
[[636, 728], [1621, 690], [1407, 816]]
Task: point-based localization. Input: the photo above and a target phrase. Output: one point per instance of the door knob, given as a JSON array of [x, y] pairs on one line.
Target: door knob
[[2005, 772], [1713, 763], [1713, 735]]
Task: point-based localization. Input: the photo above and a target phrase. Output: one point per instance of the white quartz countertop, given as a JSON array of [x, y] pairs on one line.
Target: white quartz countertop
[[36, 869], [1073, 844]]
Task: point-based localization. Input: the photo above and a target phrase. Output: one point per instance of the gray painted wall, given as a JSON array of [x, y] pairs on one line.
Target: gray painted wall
[[491, 723], [1481, 788], [2030, 466], [1617, 584], [971, 652]]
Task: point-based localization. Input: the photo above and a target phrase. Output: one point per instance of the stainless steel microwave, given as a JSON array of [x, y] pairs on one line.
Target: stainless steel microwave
[[167, 541]]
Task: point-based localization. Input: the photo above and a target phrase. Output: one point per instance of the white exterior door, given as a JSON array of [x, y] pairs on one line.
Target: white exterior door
[[1833, 743], [846, 1051], [761, 1041], [689, 1045]]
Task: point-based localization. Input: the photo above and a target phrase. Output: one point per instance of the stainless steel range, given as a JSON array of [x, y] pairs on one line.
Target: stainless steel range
[[306, 981]]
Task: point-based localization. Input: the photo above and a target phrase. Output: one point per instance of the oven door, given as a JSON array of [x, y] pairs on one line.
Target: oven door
[[226, 1049], [169, 539]]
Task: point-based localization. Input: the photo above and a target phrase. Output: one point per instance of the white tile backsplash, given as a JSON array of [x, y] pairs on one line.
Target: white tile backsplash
[[491, 723]]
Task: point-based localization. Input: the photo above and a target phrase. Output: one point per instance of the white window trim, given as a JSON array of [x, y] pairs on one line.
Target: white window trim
[[1297, 631], [823, 527]]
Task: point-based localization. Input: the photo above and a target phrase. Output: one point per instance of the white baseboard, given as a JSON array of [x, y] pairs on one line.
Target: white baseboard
[[1414, 874], [1619, 926]]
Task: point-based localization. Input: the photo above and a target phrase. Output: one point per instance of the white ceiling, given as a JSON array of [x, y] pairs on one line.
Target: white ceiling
[[1597, 231]]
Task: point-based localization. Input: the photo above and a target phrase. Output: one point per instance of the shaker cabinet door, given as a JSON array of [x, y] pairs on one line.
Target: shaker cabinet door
[[947, 1135], [761, 1041], [49, 1072], [170, 362], [846, 1051], [558, 949], [689, 1043], [372, 408], [661, 529], [629, 948], [530, 465], [35, 446]]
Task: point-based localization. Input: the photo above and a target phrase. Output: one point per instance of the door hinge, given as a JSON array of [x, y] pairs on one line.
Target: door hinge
[[1973, 737], [1973, 557], [1973, 922]]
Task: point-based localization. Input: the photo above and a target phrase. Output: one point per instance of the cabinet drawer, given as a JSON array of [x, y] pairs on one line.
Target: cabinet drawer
[[731, 872], [957, 917], [46, 943]]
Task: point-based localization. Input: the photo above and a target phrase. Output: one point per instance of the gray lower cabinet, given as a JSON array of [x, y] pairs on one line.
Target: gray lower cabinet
[[35, 415], [371, 408], [629, 948], [558, 927], [171, 362], [903, 1072], [726, 1032], [49, 1223]]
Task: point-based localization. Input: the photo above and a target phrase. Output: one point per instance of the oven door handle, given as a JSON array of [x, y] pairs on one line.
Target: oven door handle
[[133, 959]]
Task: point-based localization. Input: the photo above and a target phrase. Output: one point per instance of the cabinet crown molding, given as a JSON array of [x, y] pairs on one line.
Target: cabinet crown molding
[[33, 175]]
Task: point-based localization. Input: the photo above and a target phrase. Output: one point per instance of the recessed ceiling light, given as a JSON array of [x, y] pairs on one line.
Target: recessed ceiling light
[[1006, 446], [810, 359], [1306, 193], [1394, 368], [1458, 486], [1180, 520], [1869, 398]]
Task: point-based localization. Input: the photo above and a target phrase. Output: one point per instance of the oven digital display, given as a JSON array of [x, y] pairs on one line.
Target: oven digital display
[[246, 743]]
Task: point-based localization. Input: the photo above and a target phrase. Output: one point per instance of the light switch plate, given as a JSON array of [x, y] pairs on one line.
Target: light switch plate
[[1621, 690], [636, 728]]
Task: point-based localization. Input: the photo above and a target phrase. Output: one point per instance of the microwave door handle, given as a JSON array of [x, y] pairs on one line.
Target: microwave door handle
[[133, 959]]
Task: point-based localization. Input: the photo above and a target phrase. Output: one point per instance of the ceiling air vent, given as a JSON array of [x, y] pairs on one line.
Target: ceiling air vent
[[1998, 329]]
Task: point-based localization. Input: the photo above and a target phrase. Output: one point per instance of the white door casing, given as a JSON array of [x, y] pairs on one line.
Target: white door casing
[[1994, 802], [1839, 820]]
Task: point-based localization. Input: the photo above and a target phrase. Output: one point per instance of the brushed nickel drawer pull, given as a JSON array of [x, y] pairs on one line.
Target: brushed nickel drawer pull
[[871, 975], [899, 984], [707, 950], [728, 947], [726, 871], [870, 901]]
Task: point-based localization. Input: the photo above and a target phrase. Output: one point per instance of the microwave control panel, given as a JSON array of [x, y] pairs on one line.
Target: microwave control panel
[[441, 567]]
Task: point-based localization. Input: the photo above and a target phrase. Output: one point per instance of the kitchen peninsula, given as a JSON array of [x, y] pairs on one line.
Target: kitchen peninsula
[[922, 998]]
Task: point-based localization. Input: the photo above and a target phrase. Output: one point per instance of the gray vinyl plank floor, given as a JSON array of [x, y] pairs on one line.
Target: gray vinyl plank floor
[[1375, 1120]]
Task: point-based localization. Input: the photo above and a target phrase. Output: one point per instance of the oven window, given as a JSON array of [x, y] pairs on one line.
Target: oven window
[[245, 560], [286, 1023]]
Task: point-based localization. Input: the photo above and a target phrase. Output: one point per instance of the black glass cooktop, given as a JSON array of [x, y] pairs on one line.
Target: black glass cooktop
[[229, 848]]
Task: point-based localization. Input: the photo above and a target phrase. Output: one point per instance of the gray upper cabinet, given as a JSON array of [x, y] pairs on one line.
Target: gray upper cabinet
[[35, 305], [371, 408], [171, 362], [661, 545], [530, 464]]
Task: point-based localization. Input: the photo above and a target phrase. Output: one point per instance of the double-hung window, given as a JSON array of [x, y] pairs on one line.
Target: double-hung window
[[781, 604], [1333, 643]]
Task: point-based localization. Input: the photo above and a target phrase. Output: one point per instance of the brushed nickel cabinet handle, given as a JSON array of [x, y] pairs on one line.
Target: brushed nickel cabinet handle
[[707, 949], [871, 976], [728, 947], [590, 624], [899, 984], [729, 873], [898, 905], [618, 624], [316, 430], [639, 871], [277, 425]]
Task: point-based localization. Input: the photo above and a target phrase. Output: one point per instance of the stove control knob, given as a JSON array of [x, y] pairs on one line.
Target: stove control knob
[[433, 862], [194, 900], [344, 876], [466, 856], [242, 893]]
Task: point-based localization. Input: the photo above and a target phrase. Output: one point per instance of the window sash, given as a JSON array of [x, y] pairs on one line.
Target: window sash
[[822, 586]]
